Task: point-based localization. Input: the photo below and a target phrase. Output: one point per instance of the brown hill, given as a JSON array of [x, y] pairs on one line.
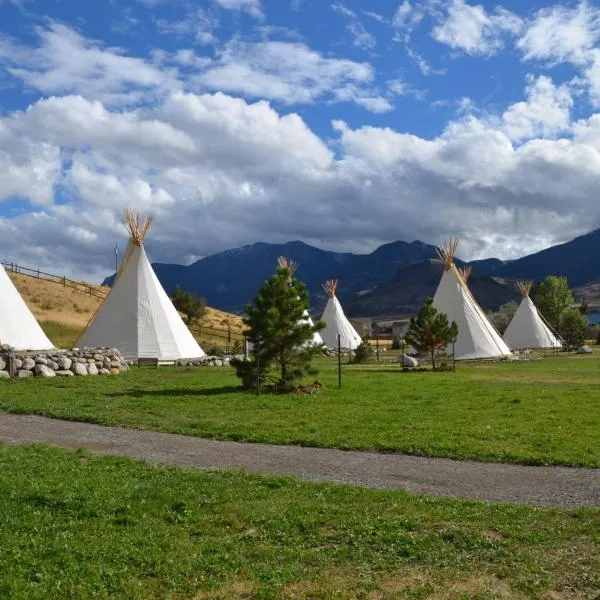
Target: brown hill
[[65, 311]]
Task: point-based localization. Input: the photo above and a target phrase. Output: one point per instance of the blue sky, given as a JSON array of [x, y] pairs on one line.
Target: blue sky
[[345, 124]]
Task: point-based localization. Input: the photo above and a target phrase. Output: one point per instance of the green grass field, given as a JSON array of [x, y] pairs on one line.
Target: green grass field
[[538, 412], [76, 526]]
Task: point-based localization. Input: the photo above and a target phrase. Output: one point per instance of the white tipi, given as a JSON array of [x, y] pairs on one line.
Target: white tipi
[[477, 337], [527, 328], [137, 316], [18, 327], [336, 321], [292, 265]]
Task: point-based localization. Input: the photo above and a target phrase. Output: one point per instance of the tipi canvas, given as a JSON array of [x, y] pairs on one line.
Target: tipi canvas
[[138, 317], [527, 328], [477, 337], [337, 323], [291, 265], [18, 327]]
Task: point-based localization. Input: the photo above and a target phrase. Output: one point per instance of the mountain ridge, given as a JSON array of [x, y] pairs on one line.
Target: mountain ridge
[[391, 281]]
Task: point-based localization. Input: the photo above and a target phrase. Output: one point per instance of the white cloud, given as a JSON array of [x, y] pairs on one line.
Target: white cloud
[[545, 113], [291, 73], [562, 34], [361, 37], [567, 34], [66, 62], [474, 31], [252, 7], [196, 160], [198, 23]]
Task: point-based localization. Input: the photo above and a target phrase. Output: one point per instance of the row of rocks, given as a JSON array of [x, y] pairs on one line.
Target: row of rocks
[[64, 363], [210, 361]]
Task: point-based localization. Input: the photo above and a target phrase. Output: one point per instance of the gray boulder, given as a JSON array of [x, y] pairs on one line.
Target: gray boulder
[[53, 365], [18, 363], [64, 373], [64, 363], [91, 369], [24, 373], [4, 375], [408, 361], [79, 369], [44, 371], [2, 364], [103, 372], [585, 349], [40, 360], [28, 364]]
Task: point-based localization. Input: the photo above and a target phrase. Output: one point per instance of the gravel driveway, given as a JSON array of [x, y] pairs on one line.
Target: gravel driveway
[[543, 486]]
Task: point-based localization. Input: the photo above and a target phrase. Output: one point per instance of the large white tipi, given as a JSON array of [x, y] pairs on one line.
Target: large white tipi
[[137, 316], [336, 321], [18, 327], [527, 328], [477, 337], [291, 265]]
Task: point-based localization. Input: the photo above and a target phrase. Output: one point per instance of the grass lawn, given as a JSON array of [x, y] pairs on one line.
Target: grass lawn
[[538, 412], [75, 526]]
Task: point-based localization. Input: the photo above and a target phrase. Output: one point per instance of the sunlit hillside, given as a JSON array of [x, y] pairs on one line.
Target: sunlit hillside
[[64, 311]]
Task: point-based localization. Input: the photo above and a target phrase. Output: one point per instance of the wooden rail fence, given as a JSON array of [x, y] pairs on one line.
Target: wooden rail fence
[[97, 292]]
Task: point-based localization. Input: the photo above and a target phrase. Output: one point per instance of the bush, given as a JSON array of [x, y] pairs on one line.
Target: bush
[[362, 353], [396, 344]]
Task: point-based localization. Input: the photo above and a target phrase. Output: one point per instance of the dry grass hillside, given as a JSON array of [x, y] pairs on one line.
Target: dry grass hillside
[[64, 312]]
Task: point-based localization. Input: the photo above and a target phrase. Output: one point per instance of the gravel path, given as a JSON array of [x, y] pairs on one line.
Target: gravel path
[[543, 486]]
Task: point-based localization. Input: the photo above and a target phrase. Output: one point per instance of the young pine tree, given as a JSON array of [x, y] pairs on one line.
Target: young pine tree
[[280, 338], [429, 332], [192, 306]]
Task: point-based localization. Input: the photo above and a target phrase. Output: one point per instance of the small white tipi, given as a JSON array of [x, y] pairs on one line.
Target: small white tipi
[[291, 265], [137, 316], [336, 321], [527, 328], [477, 337], [18, 326]]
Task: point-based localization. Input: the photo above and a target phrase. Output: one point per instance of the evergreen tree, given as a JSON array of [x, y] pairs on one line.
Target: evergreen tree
[[552, 298], [192, 306], [429, 332], [279, 335]]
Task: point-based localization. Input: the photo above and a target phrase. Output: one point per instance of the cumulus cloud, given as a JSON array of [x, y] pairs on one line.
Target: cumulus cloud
[[471, 29], [218, 172], [566, 34], [67, 62], [562, 34]]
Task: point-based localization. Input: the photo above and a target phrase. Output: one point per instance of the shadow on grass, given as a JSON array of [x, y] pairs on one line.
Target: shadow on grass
[[218, 391]]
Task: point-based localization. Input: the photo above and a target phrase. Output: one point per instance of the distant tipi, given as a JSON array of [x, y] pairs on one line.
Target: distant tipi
[[336, 321], [18, 326], [137, 316], [292, 266], [527, 328], [477, 337]]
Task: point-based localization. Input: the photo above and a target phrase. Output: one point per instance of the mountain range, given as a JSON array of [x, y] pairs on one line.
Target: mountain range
[[390, 282]]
